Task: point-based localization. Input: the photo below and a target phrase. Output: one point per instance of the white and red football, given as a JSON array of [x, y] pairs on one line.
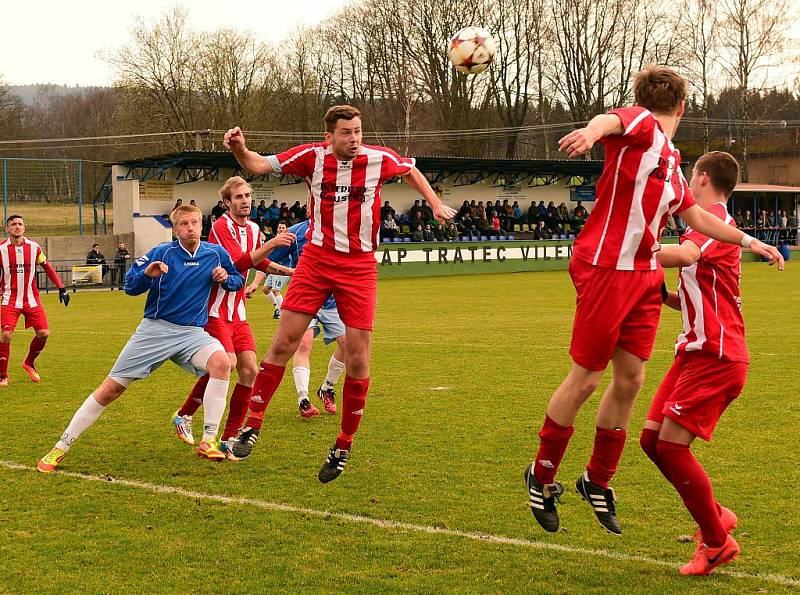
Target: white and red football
[[471, 50]]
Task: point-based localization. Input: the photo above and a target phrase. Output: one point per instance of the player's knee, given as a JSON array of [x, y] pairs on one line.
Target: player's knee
[[6, 336], [247, 373], [219, 365], [629, 381], [42, 334]]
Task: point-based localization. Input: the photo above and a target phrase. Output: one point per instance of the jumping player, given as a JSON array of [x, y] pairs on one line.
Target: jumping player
[[227, 317], [327, 322], [345, 179], [618, 283], [275, 284], [710, 366], [178, 277], [20, 295]]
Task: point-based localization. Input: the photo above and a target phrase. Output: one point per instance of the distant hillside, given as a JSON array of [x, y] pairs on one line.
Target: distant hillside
[[27, 93]]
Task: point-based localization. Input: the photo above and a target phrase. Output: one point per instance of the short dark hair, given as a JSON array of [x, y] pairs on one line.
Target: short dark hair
[[339, 112], [10, 217], [722, 169], [659, 89]]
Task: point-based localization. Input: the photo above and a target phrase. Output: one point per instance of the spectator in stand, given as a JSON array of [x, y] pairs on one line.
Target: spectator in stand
[[508, 216], [496, 229], [416, 235], [519, 216], [262, 210], [193, 203], [450, 231], [672, 227], [427, 233], [427, 212], [784, 220], [580, 213], [274, 216], [533, 216], [467, 226], [305, 212], [488, 212], [761, 225], [542, 232], [121, 259], [463, 211], [388, 228], [253, 211], [418, 220], [747, 221], [412, 213], [774, 219], [387, 211], [297, 212], [738, 219], [552, 216], [284, 214], [542, 210], [563, 214], [96, 257], [482, 226], [178, 203], [218, 211]]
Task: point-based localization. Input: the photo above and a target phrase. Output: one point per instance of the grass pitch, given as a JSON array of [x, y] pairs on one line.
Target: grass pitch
[[433, 499]]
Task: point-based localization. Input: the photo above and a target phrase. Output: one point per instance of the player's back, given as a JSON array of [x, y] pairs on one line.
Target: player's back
[[641, 185]]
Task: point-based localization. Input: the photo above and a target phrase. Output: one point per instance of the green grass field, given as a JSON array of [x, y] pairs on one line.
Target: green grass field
[[58, 219], [433, 499]]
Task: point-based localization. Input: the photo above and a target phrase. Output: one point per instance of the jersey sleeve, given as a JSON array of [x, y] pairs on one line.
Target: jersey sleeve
[[297, 161], [136, 282], [702, 241], [638, 124], [684, 192], [394, 165], [222, 235], [235, 280]]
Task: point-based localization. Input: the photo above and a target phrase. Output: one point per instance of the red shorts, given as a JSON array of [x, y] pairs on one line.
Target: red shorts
[[351, 278], [614, 309], [35, 317], [697, 390], [236, 337]]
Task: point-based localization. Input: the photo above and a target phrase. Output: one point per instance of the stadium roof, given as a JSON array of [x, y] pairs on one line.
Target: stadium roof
[[742, 187], [193, 166]]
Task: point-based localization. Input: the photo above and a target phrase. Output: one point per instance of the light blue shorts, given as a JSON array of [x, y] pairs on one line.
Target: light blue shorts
[[332, 325], [156, 341], [276, 281]]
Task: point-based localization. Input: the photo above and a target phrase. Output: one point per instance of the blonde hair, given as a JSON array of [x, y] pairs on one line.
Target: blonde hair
[[185, 210], [229, 185]]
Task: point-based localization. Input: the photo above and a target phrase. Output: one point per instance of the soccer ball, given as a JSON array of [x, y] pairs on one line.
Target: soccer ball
[[471, 50]]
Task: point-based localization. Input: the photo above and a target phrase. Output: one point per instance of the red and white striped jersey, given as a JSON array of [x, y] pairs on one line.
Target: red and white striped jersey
[[237, 240], [18, 282], [641, 185], [345, 195], [711, 308]]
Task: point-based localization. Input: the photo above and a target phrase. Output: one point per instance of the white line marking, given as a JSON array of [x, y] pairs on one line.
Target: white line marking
[[389, 524]]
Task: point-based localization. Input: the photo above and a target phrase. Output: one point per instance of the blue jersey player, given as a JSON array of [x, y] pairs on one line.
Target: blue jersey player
[[178, 277], [326, 321], [275, 283]]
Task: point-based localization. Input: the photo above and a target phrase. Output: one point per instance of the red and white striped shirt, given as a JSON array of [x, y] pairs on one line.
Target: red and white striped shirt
[[711, 308], [345, 195], [238, 240], [641, 185], [18, 282]]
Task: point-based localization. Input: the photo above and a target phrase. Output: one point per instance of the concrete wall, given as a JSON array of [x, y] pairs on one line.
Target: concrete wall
[[77, 247], [774, 169]]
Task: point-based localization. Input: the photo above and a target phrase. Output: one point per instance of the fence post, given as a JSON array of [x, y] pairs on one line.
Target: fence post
[[80, 197], [5, 190]]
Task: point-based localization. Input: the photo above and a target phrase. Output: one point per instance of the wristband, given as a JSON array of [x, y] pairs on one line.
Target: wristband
[[746, 240]]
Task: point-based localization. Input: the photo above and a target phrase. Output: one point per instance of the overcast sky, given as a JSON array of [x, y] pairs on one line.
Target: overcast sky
[[46, 41]]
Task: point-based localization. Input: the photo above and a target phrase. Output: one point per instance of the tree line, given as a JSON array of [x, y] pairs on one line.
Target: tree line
[[559, 62]]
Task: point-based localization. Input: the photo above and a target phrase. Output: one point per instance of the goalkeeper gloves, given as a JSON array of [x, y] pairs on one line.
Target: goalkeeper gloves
[[63, 296]]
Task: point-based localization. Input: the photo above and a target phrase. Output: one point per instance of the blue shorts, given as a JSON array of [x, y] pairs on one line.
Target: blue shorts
[[332, 325], [156, 341]]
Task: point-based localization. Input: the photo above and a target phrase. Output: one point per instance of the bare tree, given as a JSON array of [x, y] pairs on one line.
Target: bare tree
[[752, 33], [10, 106]]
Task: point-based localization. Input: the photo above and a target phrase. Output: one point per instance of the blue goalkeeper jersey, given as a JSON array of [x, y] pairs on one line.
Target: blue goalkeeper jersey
[[180, 295], [290, 255]]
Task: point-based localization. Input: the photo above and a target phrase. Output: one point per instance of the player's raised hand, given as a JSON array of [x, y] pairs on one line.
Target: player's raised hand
[[63, 296], [281, 240], [234, 139], [219, 275], [578, 142], [767, 251], [156, 268], [444, 213]]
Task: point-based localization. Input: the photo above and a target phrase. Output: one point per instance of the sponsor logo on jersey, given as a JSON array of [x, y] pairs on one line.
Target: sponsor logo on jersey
[[676, 408], [191, 263]]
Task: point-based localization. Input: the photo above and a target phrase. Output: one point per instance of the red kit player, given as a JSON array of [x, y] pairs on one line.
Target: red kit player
[[710, 366], [344, 178], [618, 283], [19, 257], [227, 318]]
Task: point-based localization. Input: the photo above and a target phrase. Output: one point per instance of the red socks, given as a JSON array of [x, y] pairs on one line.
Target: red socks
[[267, 382], [195, 398], [608, 446], [5, 353], [237, 411], [554, 439], [37, 345], [354, 397], [649, 443], [690, 479]]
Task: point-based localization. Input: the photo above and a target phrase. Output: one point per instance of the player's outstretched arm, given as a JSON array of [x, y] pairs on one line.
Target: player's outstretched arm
[[258, 255], [249, 160], [419, 182], [707, 224], [580, 141], [143, 272], [258, 279], [684, 255]]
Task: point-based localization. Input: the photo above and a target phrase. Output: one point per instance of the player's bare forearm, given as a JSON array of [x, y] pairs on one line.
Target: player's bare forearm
[[420, 184], [274, 268], [710, 225], [252, 161], [580, 141], [678, 256], [673, 301]]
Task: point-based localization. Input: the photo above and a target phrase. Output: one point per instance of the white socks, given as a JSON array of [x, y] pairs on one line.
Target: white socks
[[214, 401], [335, 369], [84, 417], [271, 298], [279, 301], [302, 376]]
